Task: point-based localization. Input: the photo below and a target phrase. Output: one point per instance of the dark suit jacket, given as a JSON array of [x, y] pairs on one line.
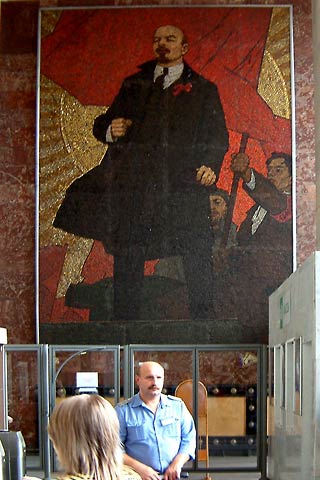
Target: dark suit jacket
[[144, 191], [266, 258], [274, 233]]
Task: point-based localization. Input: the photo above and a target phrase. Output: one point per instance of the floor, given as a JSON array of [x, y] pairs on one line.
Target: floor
[[218, 462], [230, 462], [213, 476], [229, 476]]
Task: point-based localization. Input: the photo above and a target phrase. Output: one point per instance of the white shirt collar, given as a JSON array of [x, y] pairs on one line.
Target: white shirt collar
[[174, 73]]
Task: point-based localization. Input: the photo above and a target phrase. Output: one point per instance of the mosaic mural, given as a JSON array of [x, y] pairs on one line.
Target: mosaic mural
[[179, 223]]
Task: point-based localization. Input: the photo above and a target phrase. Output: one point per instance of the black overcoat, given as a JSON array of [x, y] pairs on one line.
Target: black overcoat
[[144, 192]]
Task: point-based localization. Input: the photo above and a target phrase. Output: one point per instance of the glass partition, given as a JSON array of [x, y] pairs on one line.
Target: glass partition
[[25, 398], [226, 406], [83, 369], [230, 377]]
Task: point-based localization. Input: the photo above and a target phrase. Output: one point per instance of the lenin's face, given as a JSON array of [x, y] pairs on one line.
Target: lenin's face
[[169, 45]]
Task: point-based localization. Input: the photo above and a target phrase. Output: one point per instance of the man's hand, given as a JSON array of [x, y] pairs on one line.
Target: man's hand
[[147, 473], [172, 472], [175, 467], [240, 166], [206, 176], [119, 127]]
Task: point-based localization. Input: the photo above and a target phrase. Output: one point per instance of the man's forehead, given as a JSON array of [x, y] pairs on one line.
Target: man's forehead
[[168, 30], [151, 369]]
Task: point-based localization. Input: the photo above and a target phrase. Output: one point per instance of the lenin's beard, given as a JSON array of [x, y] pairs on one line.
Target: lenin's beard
[[162, 55]]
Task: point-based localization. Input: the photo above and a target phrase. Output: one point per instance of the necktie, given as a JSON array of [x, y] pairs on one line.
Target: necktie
[[159, 80]]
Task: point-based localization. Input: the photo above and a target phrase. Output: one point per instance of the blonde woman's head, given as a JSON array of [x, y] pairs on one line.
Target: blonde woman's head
[[84, 430]]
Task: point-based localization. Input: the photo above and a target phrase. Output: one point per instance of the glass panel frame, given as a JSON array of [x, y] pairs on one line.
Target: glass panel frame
[[123, 360], [298, 368], [75, 354], [261, 391], [36, 461]]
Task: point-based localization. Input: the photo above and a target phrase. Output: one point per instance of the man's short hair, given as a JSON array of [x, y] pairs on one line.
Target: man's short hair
[[286, 157]]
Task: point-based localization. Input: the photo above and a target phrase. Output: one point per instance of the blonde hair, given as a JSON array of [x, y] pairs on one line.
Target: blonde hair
[[84, 430]]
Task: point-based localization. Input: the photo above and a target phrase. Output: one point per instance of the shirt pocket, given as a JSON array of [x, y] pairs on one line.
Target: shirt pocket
[[137, 432], [171, 426]]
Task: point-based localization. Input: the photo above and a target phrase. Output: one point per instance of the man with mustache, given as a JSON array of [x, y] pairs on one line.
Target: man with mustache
[[148, 199], [157, 430]]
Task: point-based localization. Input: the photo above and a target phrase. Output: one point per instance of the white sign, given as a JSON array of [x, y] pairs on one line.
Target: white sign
[[87, 381]]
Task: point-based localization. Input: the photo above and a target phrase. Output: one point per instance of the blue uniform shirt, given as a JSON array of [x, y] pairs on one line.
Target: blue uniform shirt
[[155, 439]]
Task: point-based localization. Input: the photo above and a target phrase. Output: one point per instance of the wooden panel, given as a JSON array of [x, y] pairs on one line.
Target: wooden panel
[[227, 416]]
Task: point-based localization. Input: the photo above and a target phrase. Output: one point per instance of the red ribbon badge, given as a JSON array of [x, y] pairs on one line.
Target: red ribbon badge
[[180, 87]]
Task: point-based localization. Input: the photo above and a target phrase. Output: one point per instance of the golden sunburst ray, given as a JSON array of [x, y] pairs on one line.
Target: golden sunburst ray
[[67, 150], [275, 81]]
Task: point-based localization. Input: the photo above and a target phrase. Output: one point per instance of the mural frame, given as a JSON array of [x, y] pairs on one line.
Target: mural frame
[[62, 121]]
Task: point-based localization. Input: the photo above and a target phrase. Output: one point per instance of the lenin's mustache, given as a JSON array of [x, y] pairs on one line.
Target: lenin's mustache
[[162, 50]]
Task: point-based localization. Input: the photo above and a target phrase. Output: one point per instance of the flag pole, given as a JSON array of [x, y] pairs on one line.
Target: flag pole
[[233, 194]]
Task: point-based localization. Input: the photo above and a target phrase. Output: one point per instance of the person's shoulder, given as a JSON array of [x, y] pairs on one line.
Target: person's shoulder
[[124, 402], [207, 86], [144, 70], [194, 76], [175, 399]]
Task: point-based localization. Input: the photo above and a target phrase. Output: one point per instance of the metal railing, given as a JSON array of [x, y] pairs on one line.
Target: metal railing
[[55, 360]]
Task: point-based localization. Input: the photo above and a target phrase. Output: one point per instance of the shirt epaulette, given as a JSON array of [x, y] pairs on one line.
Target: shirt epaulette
[[124, 402], [172, 397]]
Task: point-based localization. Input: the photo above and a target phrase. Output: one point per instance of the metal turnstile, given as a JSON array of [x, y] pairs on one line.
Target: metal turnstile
[[2, 463], [15, 455]]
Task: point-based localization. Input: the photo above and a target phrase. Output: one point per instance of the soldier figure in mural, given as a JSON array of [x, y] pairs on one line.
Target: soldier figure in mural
[[149, 197]]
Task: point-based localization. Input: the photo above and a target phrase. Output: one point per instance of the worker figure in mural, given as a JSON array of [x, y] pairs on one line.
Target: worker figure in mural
[[149, 197], [219, 201], [262, 258], [268, 224]]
